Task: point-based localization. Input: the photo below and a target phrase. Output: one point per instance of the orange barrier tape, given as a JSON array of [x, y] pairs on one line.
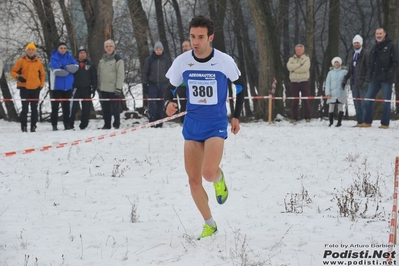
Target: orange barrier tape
[[393, 226], [90, 139]]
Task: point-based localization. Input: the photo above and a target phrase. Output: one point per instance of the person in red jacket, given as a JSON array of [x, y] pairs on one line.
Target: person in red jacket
[[30, 75]]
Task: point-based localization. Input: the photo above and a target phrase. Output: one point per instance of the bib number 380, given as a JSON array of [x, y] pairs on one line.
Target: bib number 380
[[203, 92]]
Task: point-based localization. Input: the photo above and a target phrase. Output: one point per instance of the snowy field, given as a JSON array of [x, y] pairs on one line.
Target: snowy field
[[125, 200]]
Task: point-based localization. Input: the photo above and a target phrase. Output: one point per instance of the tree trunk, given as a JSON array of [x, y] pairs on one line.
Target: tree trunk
[[98, 15], [332, 49], [239, 29], [309, 46], [69, 26], [265, 27], [392, 24], [45, 13], [179, 22], [11, 112], [140, 30], [161, 27], [217, 11], [284, 23]]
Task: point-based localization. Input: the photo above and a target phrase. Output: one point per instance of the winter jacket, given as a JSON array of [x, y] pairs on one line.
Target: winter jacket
[[384, 62], [299, 68], [111, 73], [60, 61], [360, 75], [155, 68], [333, 85], [30, 69], [86, 76]]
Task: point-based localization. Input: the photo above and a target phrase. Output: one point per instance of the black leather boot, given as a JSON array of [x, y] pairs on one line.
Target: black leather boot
[[331, 118], [340, 115]]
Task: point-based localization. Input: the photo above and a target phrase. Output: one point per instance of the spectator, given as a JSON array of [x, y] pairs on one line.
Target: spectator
[[298, 66], [84, 86], [357, 74], [185, 46], [30, 75], [336, 94], [181, 90], [62, 65], [155, 82], [111, 75], [384, 62], [206, 72]]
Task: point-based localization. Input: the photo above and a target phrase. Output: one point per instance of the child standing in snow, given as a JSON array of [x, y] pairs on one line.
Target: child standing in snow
[[335, 93]]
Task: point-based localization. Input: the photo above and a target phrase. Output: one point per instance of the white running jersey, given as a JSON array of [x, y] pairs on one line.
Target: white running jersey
[[206, 82]]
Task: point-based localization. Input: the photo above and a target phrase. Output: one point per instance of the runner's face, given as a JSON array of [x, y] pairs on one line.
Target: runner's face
[[201, 42]]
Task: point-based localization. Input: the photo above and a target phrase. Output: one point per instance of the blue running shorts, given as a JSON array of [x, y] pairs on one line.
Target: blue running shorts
[[201, 130]]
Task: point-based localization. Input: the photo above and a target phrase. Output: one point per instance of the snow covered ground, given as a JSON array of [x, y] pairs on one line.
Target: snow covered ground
[[125, 200]]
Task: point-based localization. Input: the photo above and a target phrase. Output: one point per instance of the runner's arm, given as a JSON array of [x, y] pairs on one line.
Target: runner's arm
[[240, 88]]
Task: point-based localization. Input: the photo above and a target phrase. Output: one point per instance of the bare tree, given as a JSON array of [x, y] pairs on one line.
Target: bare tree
[[217, 11], [161, 27], [270, 65], [179, 21], [140, 28], [5, 90], [44, 11], [98, 15], [69, 26]]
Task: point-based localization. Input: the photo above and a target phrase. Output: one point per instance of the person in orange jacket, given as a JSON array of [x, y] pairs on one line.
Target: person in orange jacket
[[30, 75]]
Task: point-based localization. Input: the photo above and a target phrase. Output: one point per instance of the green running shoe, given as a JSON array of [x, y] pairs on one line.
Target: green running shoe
[[221, 190], [208, 231]]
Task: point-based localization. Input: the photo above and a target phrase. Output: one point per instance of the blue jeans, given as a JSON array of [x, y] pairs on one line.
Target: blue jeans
[[374, 88], [360, 105]]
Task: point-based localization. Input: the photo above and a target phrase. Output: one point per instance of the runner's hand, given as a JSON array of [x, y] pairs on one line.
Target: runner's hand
[[171, 108], [235, 125]]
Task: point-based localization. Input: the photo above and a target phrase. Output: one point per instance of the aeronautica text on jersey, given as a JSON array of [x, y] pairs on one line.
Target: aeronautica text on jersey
[[203, 75]]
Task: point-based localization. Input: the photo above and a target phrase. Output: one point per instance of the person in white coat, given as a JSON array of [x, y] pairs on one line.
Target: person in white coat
[[336, 94]]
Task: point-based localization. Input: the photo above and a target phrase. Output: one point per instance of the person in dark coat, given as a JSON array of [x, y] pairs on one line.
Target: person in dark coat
[[155, 82], [84, 87], [384, 63], [357, 76]]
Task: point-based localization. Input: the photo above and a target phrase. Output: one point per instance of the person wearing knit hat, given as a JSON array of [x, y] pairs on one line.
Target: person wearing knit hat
[[158, 47], [84, 87], [356, 77], [335, 93], [155, 82], [358, 39], [30, 75], [30, 46]]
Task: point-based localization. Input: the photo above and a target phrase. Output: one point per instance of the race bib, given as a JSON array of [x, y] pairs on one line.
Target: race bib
[[203, 92]]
